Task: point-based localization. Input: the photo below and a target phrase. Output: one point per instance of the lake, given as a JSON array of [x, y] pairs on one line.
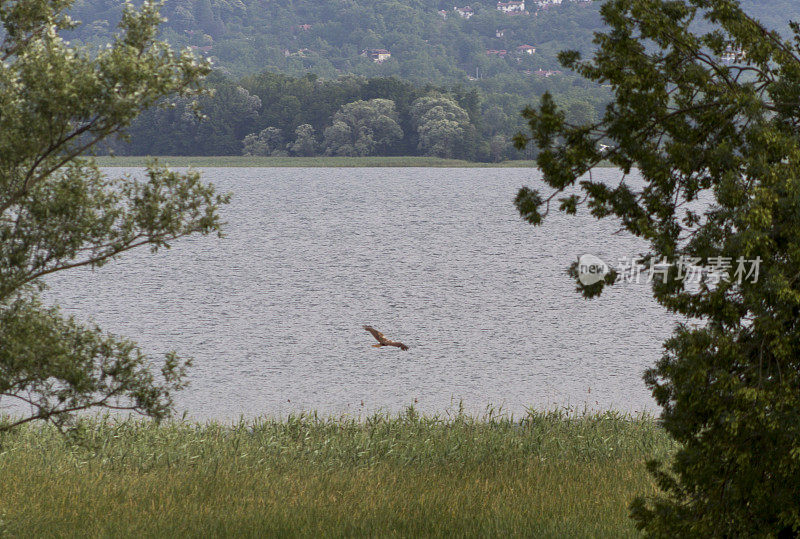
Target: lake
[[437, 258]]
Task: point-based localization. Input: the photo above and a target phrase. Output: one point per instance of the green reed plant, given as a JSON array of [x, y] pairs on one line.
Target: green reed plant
[[547, 473]]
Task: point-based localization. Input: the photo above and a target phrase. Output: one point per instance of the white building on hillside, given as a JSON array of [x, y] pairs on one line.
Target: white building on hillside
[[464, 12], [511, 7], [377, 55]]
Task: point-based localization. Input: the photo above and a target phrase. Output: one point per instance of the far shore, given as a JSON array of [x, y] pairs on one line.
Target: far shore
[[226, 161], [302, 162]]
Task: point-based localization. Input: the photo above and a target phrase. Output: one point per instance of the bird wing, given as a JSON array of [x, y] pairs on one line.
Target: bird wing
[[398, 344], [377, 334]]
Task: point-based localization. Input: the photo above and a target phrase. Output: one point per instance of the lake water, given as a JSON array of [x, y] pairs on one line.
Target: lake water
[[437, 258]]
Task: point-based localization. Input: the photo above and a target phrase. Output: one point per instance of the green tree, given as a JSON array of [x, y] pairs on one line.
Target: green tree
[[58, 211], [338, 139], [227, 117], [495, 121], [305, 142], [363, 128], [268, 142], [717, 147], [498, 147], [441, 124], [207, 20]]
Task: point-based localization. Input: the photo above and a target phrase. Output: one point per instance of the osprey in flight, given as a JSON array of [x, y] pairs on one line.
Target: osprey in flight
[[383, 341]]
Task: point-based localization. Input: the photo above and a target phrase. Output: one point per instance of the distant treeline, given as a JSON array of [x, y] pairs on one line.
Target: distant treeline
[[275, 114]]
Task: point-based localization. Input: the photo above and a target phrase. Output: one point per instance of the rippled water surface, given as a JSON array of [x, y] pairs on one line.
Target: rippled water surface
[[437, 258]]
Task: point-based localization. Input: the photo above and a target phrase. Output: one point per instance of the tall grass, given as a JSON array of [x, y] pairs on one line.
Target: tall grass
[[551, 474]]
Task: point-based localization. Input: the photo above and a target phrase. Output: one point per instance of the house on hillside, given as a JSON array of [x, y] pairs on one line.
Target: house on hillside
[[526, 49], [377, 55], [511, 7], [500, 33], [464, 12]]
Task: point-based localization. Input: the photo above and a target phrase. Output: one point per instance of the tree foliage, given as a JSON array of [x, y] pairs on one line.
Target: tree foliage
[[716, 144], [246, 107], [443, 126], [268, 142], [363, 128], [305, 143], [327, 37], [58, 211]]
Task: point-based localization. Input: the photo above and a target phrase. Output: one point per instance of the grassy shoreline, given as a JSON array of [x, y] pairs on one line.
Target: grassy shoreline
[[548, 474], [304, 162]]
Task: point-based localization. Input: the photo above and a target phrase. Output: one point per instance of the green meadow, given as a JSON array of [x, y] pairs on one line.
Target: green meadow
[[547, 474]]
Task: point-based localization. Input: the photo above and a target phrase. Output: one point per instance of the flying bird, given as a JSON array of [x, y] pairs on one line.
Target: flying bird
[[383, 341]]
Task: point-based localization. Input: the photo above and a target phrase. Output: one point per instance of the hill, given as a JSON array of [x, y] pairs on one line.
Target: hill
[[283, 65], [425, 41]]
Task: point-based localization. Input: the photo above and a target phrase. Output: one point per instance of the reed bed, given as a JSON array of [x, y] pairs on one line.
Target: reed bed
[[546, 474]]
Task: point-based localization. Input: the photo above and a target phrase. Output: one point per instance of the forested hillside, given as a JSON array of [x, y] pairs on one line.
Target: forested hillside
[[427, 39], [335, 52], [328, 37]]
